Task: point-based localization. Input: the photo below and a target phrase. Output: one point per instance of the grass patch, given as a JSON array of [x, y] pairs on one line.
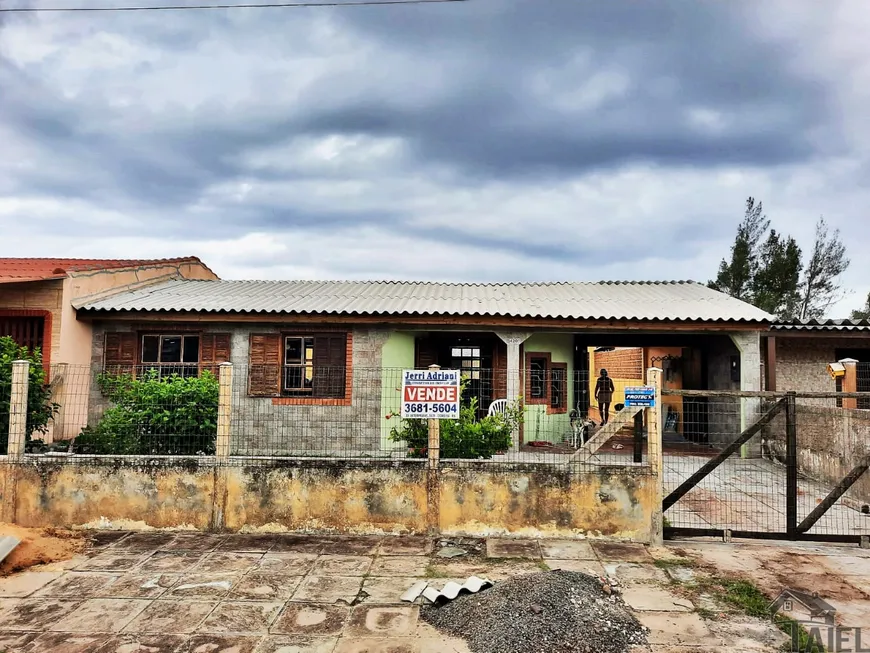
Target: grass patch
[[543, 566], [433, 572], [671, 563]]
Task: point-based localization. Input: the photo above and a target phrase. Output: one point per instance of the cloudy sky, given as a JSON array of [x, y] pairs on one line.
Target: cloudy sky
[[489, 140]]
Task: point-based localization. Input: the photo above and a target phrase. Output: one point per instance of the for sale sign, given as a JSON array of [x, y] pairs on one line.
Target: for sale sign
[[430, 394]]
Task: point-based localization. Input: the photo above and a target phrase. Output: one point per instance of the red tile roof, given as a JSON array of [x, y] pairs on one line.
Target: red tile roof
[[39, 269]]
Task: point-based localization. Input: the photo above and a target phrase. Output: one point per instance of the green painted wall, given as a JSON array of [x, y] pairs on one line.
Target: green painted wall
[[538, 424], [397, 355]]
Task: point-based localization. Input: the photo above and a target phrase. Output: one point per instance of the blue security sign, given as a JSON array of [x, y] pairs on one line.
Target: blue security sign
[[640, 396]]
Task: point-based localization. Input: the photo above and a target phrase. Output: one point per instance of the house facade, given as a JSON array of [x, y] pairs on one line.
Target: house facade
[[37, 299], [317, 365]]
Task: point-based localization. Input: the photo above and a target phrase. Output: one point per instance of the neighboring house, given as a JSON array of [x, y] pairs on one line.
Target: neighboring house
[[804, 607], [37, 297], [317, 364]]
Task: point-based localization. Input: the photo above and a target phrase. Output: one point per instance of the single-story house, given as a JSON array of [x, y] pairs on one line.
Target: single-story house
[[37, 297], [317, 364]]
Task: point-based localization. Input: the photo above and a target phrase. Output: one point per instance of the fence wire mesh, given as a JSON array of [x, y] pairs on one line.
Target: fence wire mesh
[[323, 414], [748, 490]]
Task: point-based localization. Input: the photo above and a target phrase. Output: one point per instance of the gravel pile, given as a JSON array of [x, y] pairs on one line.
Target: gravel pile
[[549, 612]]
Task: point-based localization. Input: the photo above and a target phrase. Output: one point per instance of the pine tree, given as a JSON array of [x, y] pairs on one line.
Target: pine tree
[[774, 287], [735, 276], [862, 313], [821, 286]]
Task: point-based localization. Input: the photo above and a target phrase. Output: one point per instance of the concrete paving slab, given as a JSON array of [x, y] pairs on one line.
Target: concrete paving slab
[[484, 568], [632, 573], [100, 615], [849, 565], [296, 644], [77, 585], [382, 621], [33, 614], [294, 564], [143, 643], [377, 646], [591, 567], [504, 548], [248, 543], [567, 550], [621, 552], [225, 563], [113, 561], [389, 590], [311, 620], [171, 617], [298, 544], [854, 613], [241, 617], [341, 565], [196, 542], [22, 585], [224, 643], [358, 545], [11, 641], [105, 539], [67, 643], [139, 586], [257, 586], [648, 598], [399, 566], [328, 589], [436, 645], [169, 562], [672, 628], [406, 546], [144, 541], [203, 586]]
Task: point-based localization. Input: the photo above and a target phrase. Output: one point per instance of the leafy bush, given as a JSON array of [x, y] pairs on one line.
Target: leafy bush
[[466, 437], [150, 415], [40, 408]]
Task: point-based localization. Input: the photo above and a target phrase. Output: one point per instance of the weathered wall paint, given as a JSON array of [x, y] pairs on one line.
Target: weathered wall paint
[[607, 503], [397, 354], [295, 496], [539, 425], [154, 492]]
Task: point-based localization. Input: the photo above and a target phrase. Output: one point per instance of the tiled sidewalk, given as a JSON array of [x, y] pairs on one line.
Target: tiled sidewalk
[[163, 592]]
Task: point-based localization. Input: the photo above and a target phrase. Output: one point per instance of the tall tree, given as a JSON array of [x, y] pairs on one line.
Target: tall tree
[[775, 285], [735, 276], [821, 285], [862, 313]]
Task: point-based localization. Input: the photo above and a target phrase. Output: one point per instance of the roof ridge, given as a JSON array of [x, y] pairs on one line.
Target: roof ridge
[[491, 284]]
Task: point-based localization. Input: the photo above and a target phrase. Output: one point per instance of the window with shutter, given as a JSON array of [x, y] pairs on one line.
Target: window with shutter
[[330, 365], [119, 355], [265, 360], [425, 352], [214, 349]]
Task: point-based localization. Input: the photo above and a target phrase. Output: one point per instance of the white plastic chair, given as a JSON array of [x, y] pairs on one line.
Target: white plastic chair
[[497, 407]]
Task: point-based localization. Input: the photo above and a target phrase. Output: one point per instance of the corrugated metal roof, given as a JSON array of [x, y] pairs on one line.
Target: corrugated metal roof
[[17, 270], [823, 325], [671, 300]]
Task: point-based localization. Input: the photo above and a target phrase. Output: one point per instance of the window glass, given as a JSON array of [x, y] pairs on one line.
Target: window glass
[[170, 349], [150, 349], [538, 377], [191, 349]]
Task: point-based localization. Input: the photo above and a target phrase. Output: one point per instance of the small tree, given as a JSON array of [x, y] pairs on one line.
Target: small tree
[[862, 313], [40, 408], [821, 285], [775, 286], [735, 276]]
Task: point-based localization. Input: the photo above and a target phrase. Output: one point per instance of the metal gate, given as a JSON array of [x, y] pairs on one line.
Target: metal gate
[[766, 465]]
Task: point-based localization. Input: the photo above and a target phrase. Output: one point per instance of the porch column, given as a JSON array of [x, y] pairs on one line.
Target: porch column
[[513, 340], [749, 346]]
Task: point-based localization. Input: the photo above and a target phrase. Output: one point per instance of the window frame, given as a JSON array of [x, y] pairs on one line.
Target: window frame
[[562, 407], [547, 357], [172, 367], [303, 364]]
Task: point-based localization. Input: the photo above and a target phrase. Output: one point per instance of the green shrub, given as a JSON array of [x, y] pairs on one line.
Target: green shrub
[[466, 437], [40, 408], [154, 415]]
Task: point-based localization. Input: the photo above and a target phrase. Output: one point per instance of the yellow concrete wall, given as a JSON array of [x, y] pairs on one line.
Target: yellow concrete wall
[[547, 504], [474, 501]]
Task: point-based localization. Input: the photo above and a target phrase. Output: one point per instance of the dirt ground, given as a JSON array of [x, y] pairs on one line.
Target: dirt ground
[[39, 546]]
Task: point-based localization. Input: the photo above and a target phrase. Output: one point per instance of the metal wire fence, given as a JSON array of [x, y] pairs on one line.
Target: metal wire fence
[[322, 414], [727, 463]]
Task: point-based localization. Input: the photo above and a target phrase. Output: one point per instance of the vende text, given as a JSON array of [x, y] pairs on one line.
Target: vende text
[[431, 393]]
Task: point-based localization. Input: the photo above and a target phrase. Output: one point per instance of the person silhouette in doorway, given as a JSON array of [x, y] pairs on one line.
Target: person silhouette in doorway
[[604, 395]]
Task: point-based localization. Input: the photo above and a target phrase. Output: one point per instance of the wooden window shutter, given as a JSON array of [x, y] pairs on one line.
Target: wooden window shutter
[[330, 365], [425, 352], [214, 349], [264, 359], [119, 356], [500, 371]]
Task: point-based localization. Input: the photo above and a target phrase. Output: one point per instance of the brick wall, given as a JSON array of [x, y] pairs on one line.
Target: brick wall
[[37, 296], [620, 363]]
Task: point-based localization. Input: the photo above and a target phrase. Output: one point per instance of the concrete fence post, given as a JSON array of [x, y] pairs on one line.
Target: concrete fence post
[[654, 455], [18, 410], [225, 410], [433, 483], [850, 381]]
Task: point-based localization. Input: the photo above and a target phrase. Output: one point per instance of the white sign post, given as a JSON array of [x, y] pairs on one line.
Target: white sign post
[[430, 394]]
